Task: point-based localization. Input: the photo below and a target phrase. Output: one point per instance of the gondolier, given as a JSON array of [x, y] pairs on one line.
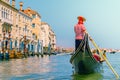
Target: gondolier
[[79, 30], [83, 61]]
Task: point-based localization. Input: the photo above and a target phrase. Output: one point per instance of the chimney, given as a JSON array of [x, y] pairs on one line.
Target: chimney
[[29, 10], [13, 3], [21, 6]]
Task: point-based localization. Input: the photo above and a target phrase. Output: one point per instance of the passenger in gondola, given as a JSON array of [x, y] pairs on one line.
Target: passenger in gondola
[[96, 55], [104, 54], [79, 30]]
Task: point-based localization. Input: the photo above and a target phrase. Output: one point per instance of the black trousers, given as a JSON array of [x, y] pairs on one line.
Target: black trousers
[[77, 43]]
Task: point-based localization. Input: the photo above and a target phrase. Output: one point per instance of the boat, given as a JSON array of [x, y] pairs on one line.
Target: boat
[[83, 61], [112, 52]]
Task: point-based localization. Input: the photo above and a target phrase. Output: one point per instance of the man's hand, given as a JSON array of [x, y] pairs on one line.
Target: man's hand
[[90, 38]]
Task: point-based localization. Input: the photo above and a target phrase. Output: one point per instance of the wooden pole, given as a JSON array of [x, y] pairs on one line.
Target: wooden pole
[[101, 54]]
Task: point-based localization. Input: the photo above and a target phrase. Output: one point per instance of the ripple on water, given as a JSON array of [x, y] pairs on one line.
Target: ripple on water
[[55, 67]]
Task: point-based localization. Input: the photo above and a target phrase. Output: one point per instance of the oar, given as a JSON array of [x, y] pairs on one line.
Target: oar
[[107, 62]]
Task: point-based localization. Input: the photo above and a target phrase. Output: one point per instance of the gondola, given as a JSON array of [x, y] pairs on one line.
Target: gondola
[[83, 61]]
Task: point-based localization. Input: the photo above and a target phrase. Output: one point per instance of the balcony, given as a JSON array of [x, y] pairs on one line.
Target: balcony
[[6, 21]]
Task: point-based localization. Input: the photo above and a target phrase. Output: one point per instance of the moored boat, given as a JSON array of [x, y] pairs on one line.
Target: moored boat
[[83, 61]]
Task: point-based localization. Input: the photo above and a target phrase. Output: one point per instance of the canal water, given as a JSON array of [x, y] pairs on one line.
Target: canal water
[[54, 67]]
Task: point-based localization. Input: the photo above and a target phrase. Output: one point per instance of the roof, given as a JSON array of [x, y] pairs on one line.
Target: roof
[[44, 23], [29, 10], [8, 5], [21, 12]]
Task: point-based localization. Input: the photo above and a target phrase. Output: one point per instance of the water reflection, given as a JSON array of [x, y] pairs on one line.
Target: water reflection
[[55, 67], [37, 68], [25, 66], [94, 76]]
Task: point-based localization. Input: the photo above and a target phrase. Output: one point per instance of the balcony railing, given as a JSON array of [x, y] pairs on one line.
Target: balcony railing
[[7, 21]]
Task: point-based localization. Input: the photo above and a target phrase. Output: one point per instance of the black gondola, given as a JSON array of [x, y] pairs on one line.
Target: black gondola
[[83, 61]]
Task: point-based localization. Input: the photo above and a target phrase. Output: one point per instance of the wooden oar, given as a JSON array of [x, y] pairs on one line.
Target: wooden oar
[[101, 54]]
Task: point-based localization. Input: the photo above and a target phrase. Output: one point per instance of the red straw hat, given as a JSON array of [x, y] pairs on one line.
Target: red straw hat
[[81, 17]]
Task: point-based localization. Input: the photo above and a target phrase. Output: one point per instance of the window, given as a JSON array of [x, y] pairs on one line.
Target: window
[[8, 15], [19, 28], [11, 16], [23, 29], [33, 25], [33, 16], [19, 17], [33, 35], [2, 14]]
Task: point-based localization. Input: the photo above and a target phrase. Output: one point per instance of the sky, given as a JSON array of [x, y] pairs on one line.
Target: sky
[[102, 19]]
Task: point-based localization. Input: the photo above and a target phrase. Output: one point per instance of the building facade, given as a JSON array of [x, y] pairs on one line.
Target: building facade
[[36, 22], [48, 36], [18, 24], [8, 15]]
